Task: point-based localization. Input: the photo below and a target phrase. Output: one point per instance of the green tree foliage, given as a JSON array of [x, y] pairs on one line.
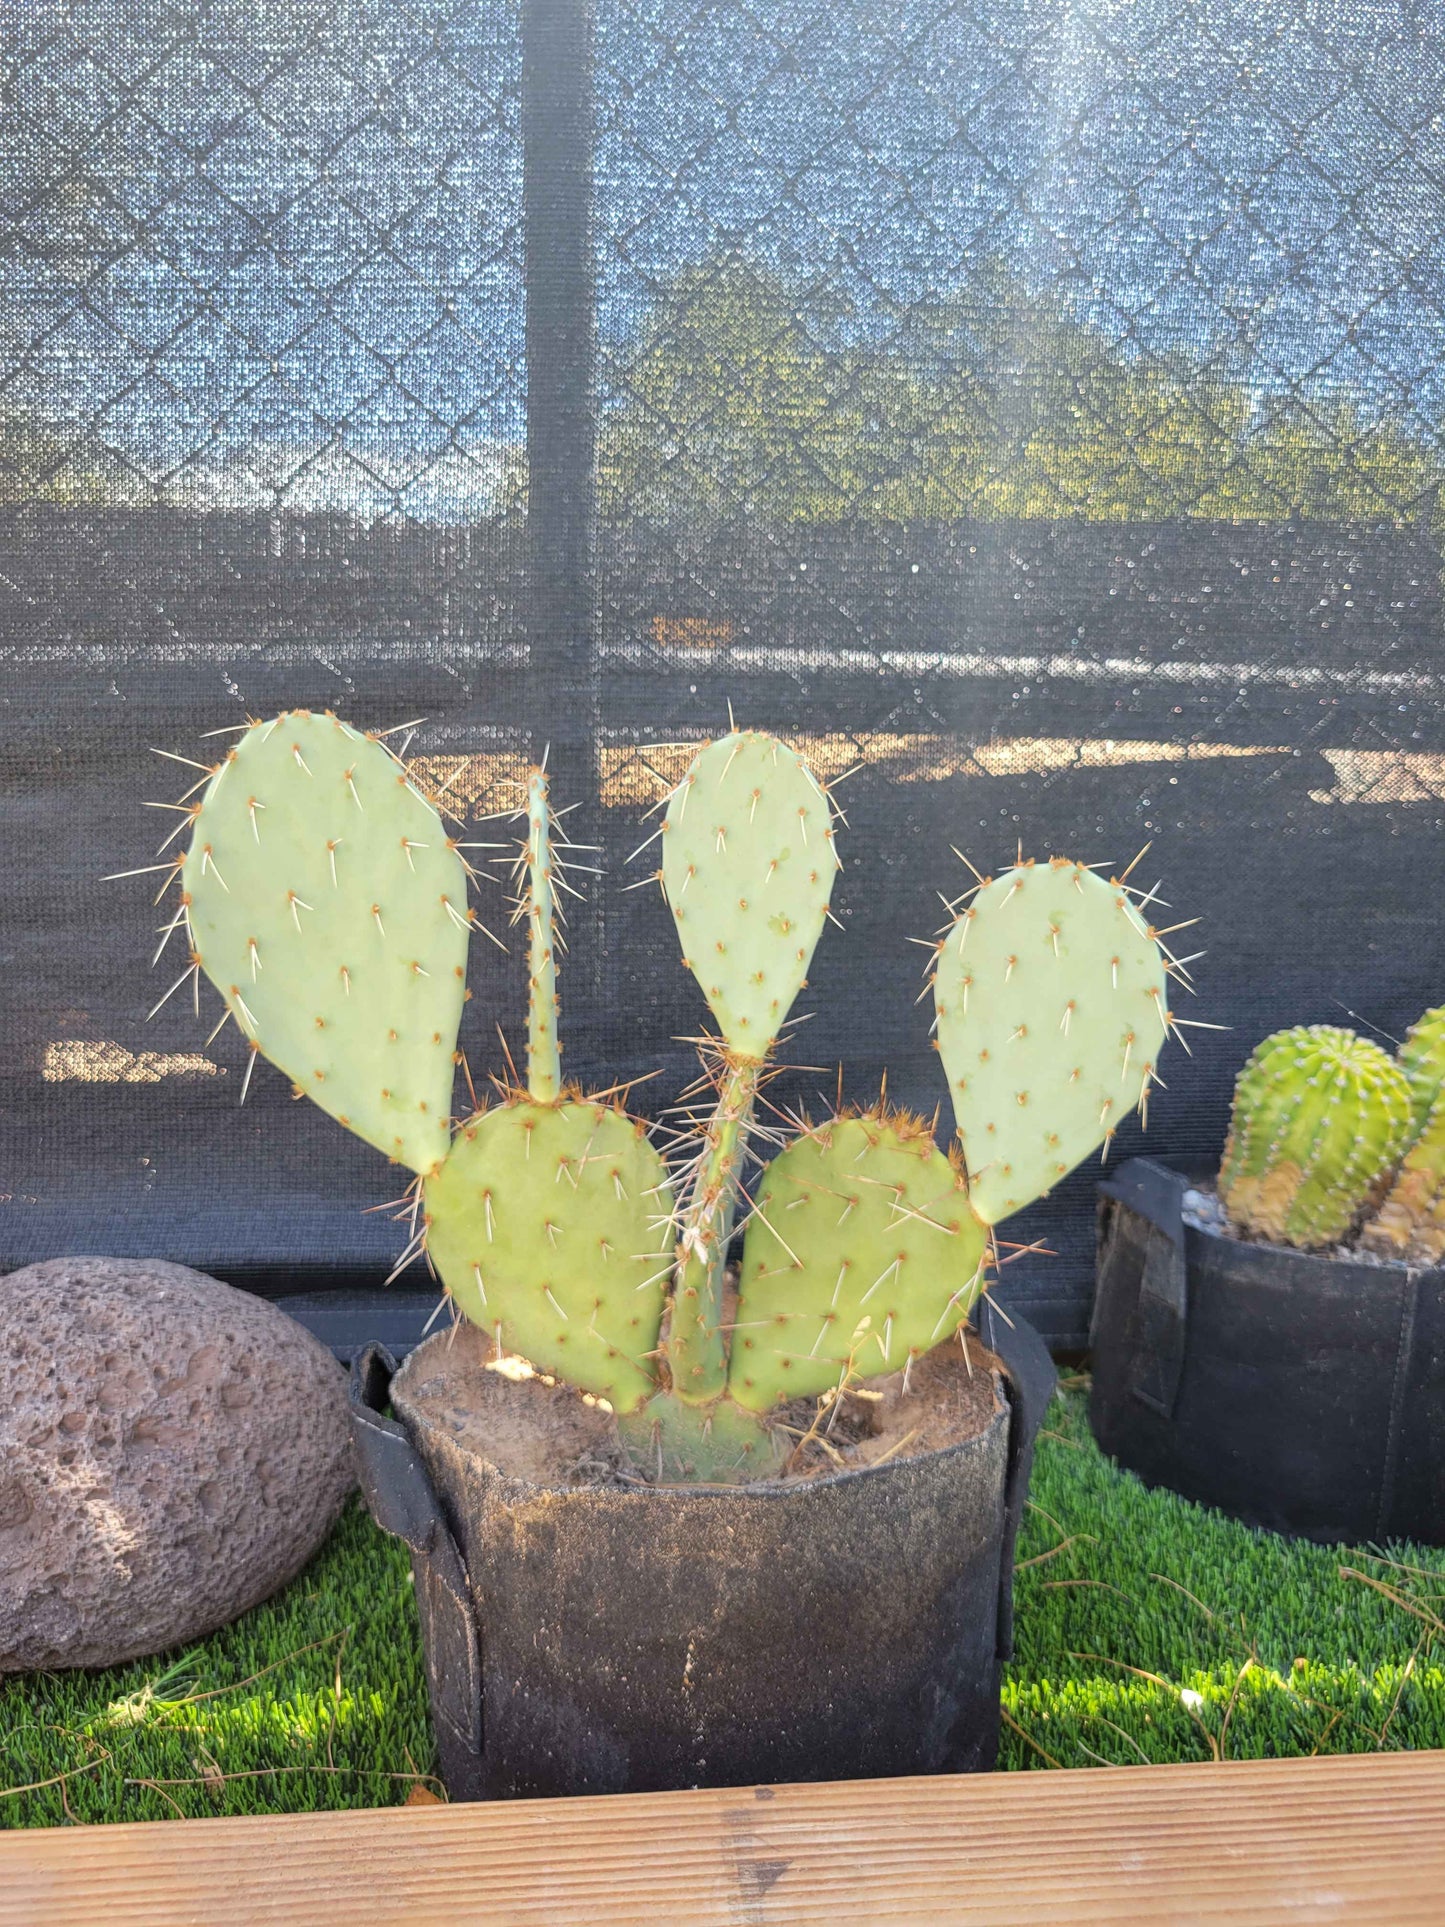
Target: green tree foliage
[[745, 397]]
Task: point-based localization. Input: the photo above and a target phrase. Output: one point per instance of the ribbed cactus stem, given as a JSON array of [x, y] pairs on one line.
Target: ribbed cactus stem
[[1410, 1224], [1320, 1119], [1422, 1058], [544, 1058], [696, 1348]]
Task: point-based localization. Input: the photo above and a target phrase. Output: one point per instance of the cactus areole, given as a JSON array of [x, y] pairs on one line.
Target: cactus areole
[[325, 893]]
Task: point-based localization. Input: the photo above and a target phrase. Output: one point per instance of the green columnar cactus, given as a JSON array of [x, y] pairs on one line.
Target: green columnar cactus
[[861, 1254], [747, 869], [328, 905], [1422, 1058], [1320, 1118], [1052, 998], [1410, 1224]]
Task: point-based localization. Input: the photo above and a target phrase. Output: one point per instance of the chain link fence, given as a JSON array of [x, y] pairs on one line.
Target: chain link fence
[[1037, 410]]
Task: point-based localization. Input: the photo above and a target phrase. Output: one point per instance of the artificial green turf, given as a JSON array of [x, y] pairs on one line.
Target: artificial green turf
[[316, 1699], [1147, 1629]]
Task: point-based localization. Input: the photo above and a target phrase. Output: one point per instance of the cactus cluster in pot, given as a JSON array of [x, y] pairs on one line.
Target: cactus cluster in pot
[[326, 898], [1333, 1141]]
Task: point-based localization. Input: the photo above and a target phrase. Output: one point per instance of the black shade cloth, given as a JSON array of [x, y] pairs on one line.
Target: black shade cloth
[[1036, 405]]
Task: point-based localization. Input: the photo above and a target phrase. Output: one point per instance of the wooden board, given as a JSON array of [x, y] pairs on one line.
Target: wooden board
[[1338, 1840]]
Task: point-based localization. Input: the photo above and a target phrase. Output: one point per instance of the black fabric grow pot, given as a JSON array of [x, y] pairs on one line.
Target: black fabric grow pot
[[610, 1640], [1300, 1393]]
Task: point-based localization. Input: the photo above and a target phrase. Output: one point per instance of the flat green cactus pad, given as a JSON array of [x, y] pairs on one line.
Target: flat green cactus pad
[[862, 1254], [550, 1225], [1053, 1005], [329, 910], [1320, 1118], [747, 867]]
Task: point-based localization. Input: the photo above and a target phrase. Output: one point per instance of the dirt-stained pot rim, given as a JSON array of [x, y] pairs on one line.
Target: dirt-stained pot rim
[[643, 1490]]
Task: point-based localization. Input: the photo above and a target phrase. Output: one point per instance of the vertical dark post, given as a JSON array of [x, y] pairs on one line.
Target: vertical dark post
[[561, 351], [563, 605]]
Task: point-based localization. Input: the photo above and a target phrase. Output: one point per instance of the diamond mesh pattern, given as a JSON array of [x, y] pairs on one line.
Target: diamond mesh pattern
[[1038, 406]]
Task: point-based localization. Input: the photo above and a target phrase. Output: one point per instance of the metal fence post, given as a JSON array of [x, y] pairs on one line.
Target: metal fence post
[[563, 609]]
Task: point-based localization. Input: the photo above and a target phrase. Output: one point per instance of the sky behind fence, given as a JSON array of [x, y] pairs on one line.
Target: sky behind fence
[[264, 251]]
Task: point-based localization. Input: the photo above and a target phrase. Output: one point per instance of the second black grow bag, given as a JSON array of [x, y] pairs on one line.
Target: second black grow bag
[[1298, 1392], [595, 1640]]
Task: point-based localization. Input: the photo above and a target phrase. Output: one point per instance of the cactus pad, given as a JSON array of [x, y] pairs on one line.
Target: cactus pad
[[862, 1219], [747, 867], [551, 1227], [1052, 1001], [329, 909], [1320, 1118]]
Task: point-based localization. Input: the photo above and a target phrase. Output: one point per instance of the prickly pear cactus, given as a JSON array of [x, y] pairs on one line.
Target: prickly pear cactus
[[1052, 999], [1422, 1058], [862, 1253], [328, 905], [551, 1226], [1320, 1119], [747, 868]]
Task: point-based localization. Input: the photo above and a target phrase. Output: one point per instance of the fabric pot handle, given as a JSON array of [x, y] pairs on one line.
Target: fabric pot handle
[[1156, 1194], [399, 1493], [1030, 1385]]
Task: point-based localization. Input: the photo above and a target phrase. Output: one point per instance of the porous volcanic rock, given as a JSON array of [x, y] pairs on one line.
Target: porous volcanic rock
[[171, 1451]]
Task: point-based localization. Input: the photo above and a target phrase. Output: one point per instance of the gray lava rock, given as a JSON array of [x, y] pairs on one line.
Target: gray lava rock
[[171, 1451]]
